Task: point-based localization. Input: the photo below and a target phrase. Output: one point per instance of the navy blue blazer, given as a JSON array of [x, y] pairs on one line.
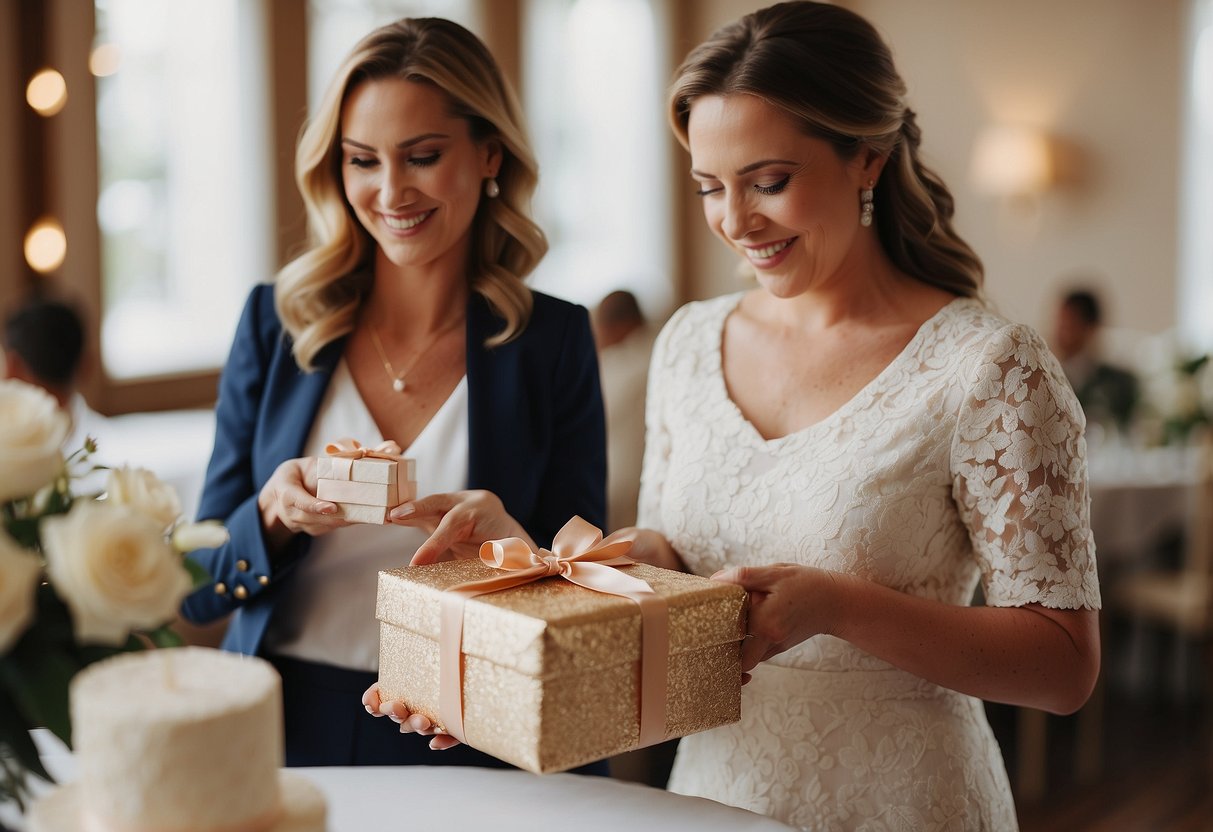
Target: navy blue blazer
[[536, 433]]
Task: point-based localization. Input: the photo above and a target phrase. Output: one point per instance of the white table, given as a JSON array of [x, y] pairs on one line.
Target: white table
[[452, 797], [1138, 497]]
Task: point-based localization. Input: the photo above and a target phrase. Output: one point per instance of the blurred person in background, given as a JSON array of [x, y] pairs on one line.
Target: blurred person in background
[[624, 342], [1108, 394], [44, 345]]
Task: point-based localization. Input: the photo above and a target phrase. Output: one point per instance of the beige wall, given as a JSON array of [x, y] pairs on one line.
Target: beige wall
[[1103, 75]]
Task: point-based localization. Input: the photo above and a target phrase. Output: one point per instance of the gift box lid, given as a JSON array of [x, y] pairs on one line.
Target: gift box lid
[[553, 626]]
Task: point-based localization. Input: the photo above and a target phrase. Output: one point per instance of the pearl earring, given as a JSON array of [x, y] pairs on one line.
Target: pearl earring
[[491, 188], [866, 208]]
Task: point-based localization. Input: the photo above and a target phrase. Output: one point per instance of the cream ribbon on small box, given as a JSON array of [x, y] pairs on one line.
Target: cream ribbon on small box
[[581, 555]]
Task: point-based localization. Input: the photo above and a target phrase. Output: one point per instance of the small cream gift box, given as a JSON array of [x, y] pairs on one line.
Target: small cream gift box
[[548, 674], [365, 483]]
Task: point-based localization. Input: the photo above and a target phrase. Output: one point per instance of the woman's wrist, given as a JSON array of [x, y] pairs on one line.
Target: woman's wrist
[[273, 530], [659, 551]]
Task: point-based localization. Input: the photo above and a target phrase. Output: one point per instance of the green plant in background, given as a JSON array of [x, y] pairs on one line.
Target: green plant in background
[[1188, 411]]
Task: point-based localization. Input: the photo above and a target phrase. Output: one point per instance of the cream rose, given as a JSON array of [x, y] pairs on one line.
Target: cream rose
[[19, 575], [207, 534], [143, 491], [113, 568], [31, 444]]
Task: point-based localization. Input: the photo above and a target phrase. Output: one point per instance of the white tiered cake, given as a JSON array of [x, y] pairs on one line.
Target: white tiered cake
[[179, 740]]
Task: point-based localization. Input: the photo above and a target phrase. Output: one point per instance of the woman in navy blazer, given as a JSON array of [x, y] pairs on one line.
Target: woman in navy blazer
[[417, 177]]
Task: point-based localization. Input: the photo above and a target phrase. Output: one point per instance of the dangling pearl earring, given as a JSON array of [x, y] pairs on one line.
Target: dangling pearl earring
[[491, 188], [866, 208]]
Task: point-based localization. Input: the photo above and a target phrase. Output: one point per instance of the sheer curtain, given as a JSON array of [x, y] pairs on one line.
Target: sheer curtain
[[594, 84], [1196, 186]]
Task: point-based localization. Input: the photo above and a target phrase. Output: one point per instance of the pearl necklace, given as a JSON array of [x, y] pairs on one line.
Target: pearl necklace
[[397, 378]]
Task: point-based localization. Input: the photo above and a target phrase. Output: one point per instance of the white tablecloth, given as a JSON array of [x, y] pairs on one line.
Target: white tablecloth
[[450, 797], [1139, 496]]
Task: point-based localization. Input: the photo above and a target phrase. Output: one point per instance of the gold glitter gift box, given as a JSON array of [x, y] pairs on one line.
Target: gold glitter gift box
[[551, 670]]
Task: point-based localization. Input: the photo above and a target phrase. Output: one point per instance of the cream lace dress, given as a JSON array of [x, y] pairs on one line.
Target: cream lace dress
[[962, 463]]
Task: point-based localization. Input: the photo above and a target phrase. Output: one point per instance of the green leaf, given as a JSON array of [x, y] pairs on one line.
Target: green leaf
[[23, 530], [14, 736], [166, 637], [198, 575], [40, 689]]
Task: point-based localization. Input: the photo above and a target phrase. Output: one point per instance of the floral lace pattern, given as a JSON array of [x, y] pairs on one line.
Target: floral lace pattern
[[961, 464]]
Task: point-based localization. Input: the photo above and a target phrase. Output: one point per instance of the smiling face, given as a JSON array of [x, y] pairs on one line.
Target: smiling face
[[782, 199], [412, 172]]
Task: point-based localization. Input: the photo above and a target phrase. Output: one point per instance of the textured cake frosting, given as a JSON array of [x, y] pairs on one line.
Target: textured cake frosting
[[180, 740]]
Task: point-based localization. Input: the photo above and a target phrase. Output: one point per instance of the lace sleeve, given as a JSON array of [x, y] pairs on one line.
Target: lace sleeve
[[656, 430], [1020, 477]]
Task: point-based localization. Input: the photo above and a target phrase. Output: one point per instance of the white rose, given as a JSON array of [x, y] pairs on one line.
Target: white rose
[[113, 568], [31, 443], [143, 491], [20, 572]]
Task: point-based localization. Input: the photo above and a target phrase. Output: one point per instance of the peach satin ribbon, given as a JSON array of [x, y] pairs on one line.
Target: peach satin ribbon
[[581, 555], [345, 451]]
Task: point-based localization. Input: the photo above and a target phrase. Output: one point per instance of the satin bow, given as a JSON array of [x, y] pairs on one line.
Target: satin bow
[[581, 555], [352, 449]]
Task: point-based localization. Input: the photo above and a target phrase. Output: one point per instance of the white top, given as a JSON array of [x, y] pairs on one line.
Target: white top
[[327, 611], [961, 464]]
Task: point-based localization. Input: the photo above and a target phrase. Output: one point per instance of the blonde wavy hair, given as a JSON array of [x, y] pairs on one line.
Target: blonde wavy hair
[[830, 71], [318, 294]]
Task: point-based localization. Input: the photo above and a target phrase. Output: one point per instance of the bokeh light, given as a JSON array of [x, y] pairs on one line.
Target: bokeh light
[[45, 246], [46, 92]]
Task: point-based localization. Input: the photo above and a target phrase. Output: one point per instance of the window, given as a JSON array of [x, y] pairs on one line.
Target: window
[[183, 204], [594, 83], [1196, 247], [336, 25]]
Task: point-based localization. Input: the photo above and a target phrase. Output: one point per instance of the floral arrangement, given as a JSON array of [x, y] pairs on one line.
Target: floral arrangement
[[81, 577], [1178, 386]]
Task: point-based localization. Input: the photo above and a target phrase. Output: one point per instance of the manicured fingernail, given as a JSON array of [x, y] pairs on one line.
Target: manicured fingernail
[[371, 710], [403, 510], [324, 508], [419, 722], [385, 708]]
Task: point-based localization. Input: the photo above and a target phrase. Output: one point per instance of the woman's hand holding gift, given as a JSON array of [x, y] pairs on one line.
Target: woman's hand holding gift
[[457, 522], [650, 547], [289, 505], [789, 603], [409, 722]]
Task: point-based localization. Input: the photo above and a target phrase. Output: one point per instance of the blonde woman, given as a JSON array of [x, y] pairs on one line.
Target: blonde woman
[[406, 319], [859, 442]]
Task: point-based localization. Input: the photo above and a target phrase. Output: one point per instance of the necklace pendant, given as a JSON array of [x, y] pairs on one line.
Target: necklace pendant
[[398, 385]]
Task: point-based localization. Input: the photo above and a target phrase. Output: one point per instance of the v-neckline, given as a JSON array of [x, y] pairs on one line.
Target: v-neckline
[[864, 394], [439, 415]]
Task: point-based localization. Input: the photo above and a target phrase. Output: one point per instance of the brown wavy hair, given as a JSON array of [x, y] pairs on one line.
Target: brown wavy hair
[[318, 294], [829, 70]]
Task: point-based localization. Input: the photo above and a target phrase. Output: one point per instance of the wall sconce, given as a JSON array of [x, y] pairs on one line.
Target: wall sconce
[[1013, 161]]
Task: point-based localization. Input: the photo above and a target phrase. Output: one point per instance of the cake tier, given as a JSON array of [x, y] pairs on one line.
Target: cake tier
[[179, 739]]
